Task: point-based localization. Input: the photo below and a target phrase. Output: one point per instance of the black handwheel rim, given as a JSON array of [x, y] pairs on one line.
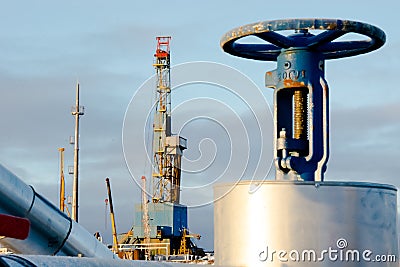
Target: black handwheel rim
[[323, 42]]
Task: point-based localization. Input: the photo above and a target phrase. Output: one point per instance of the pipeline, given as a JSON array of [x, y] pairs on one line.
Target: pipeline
[[33, 261], [52, 232]]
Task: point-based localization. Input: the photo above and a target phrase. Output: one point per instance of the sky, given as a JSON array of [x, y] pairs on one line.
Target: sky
[[108, 46]]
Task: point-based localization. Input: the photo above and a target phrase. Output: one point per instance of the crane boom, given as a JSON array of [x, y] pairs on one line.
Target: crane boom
[[62, 180], [114, 228]]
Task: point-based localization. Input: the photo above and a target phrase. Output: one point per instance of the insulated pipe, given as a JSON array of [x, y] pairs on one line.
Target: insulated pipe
[[52, 232], [29, 260]]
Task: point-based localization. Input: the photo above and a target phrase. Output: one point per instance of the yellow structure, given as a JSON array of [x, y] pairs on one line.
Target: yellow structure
[[62, 180]]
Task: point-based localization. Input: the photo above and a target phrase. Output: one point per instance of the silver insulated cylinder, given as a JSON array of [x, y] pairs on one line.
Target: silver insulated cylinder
[[289, 223], [51, 231]]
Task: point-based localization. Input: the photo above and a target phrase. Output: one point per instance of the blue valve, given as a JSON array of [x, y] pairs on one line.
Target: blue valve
[[301, 97]]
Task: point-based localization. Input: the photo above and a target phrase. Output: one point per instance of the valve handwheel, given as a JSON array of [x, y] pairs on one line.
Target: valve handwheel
[[323, 43]]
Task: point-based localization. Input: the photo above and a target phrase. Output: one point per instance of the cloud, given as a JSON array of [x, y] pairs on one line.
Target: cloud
[[364, 142]]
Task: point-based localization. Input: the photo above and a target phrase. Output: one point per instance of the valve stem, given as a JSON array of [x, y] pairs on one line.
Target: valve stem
[[300, 114]]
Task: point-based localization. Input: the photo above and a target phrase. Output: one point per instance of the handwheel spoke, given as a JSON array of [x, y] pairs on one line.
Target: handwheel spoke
[[345, 49], [256, 51], [276, 39], [349, 45], [325, 37], [255, 48]]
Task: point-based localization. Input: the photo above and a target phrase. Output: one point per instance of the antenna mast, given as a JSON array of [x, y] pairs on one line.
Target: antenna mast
[[76, 111]]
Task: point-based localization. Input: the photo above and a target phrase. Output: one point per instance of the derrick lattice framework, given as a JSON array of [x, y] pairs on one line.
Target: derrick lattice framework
[[167, 148]]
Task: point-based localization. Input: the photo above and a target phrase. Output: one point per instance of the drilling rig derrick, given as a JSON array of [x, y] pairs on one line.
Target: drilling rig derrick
[[167, 148], [160, 225]]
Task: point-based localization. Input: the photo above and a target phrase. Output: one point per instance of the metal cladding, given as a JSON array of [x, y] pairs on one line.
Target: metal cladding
[[307, 222], [52, 232], [168, 218], [28, 260]]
